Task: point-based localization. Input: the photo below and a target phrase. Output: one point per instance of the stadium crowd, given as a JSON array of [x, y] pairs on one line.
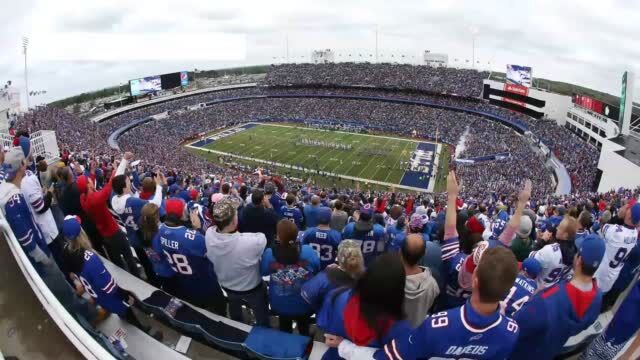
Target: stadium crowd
[[497, 254]]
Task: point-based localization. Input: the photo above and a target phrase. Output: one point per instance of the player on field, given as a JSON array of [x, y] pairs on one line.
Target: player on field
[[323, 239], [371, 236], [185, 250], [620, 240]]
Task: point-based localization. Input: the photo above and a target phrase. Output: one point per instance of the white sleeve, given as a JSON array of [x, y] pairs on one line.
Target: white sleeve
[[543, 256], [122, 167], [348, 350], [32, 192]]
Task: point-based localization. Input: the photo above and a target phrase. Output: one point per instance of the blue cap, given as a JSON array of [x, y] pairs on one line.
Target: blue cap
[[173, 189], [324, 215], [635, 213], [366, 212], [532, 267], [71, 227], [591, 249]]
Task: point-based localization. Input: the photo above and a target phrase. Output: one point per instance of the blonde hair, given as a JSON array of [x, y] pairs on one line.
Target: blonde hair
[[350, 258], [79, 242]]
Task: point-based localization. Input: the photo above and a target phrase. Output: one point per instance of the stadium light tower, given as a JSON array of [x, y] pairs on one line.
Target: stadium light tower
[[474, 33], [25, 43]]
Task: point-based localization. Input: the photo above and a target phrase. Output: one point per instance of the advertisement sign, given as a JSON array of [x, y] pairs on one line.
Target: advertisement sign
[[516, 89], [184, 78], [145, 85], [519, 75]]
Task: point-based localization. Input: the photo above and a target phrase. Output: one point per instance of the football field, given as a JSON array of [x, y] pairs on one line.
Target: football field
[[388, 161]]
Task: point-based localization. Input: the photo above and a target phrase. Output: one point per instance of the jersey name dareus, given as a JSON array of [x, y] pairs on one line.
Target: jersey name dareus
[[469, 349]]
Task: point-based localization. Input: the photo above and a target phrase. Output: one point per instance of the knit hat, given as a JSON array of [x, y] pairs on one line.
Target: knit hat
[[525, 227], [470, 264], [216, 197], [591, 249], [225, 209], [25, 145], [348, 253], [366, 213], [416, 221], [475, 226], [532, 267], [71, 227]]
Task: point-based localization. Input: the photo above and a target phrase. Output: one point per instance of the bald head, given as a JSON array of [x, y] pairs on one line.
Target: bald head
[[413, 249]]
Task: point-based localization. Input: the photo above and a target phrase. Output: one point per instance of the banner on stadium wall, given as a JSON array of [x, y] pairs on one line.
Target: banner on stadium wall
[[519, 75], [515, 89], [610, 111]]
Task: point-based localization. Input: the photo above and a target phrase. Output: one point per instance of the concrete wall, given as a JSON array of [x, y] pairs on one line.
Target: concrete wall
[[616, 170]]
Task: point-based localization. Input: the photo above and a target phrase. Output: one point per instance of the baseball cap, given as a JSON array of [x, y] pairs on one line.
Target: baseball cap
[[591, 249], [225, 209], [324, 215], [175, 207], [14, 160], [635, 213], [532, 267], [71, 227], [525, 226]]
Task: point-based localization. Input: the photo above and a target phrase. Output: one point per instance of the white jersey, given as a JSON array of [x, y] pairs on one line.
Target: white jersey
[[550, 258], [619, 240], [30, 187]]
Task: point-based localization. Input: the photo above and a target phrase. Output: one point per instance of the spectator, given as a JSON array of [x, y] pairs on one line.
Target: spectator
[[236, 256], [259, 217], [185, 249], [421, 289], [350, 266], [396, 234], [523, 289], [94, 204], [371, 313], [149, 225], [522, 244], [549, 319], [556, 256], [445, 332], [91, 276], [322, 239], [311, 212], [371, 235], [289, 265], [290, 211], [339, 217]]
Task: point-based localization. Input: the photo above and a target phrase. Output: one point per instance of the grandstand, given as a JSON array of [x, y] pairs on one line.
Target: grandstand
[[378, 138]]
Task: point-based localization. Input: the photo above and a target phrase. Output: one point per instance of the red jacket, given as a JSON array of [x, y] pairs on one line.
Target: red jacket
[[95, 206]]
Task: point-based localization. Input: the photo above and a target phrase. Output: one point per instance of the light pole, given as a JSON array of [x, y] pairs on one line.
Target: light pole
[[474, 32], [25, 43]]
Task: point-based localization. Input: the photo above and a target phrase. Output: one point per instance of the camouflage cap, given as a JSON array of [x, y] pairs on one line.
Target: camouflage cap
[[225, 209]]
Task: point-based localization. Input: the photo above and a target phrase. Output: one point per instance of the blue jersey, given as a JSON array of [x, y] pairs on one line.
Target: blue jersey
[[159, 262], [185, 250], [286, 281], [459, 333], [324, 242], [310, 215], [452, 260], [521, 291], [20, 218], [130, 217], [372, 242], [396, 237], [621, 328], [314, 290], [331, 319], [551, 317], [100, 285], [293, 214]]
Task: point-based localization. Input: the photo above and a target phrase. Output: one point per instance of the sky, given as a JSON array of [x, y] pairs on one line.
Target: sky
[[77, 46]]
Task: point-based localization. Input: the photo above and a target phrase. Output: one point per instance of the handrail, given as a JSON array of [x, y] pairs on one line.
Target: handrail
[[76, 334]]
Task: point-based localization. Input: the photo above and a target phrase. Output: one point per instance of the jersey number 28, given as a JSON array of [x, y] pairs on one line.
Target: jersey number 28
[[179, 263]]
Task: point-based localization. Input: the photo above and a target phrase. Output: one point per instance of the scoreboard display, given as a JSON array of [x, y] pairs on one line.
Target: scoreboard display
[[152, 84], [597, 106]]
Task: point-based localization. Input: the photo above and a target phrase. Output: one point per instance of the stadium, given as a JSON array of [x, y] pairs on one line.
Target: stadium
[[488, 176]]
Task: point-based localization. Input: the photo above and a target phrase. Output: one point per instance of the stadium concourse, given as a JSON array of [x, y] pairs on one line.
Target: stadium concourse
[[502, 265]]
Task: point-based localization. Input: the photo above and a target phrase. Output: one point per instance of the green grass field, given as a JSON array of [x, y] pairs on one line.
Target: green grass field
[[280, 144]]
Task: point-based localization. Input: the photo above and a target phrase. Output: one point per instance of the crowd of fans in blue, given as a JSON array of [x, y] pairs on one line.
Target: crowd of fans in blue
[[496, 267]]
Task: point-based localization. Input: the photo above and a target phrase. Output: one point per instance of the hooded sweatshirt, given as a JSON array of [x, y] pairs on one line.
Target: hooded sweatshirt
[[549, 319], [420, 291]]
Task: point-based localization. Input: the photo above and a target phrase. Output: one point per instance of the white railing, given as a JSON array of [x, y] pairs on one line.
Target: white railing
[[76, 334]]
